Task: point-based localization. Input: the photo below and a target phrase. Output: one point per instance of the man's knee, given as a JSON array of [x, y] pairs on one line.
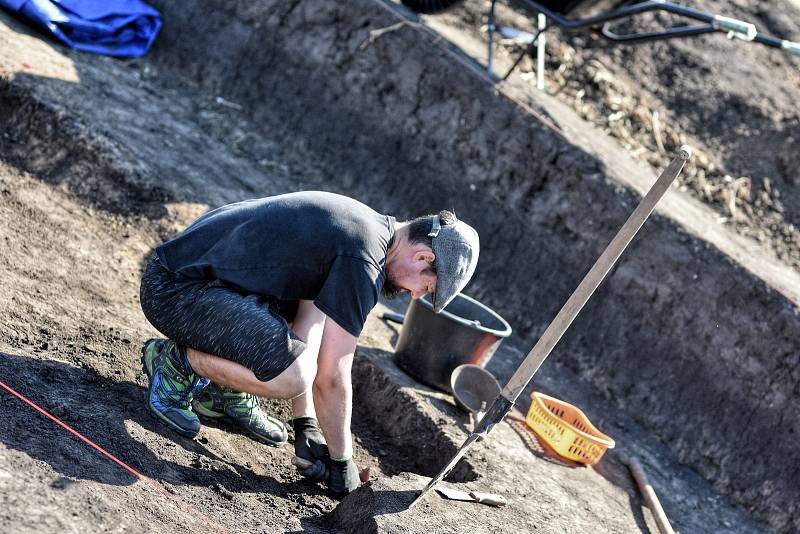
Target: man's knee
[[299, 377]]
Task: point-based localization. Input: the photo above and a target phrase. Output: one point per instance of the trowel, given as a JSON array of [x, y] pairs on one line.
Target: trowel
[[491, 499], [505, 400]]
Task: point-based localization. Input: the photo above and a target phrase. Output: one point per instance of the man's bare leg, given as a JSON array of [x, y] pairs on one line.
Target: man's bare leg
[[239, 378], [291, 383], [308, 325]]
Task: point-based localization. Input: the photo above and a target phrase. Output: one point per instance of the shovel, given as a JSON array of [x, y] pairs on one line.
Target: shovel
[[505, 400]]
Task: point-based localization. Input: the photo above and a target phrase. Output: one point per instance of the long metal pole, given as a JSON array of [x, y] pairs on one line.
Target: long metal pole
[[490, 47], [593, 278], [540, 44], [524, 373]]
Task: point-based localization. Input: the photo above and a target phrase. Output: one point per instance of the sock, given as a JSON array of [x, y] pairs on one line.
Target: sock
[[199, 383], [183, 359]]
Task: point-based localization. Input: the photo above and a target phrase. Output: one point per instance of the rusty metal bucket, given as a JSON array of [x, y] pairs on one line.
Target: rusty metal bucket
[[432, 345]]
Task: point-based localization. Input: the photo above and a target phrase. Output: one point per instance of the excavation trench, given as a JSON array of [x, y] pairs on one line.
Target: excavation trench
[[406, 124], [242, 99]]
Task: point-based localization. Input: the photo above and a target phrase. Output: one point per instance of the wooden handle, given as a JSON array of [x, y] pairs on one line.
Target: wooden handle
[[302, 463], [649, 495], [491, 499]]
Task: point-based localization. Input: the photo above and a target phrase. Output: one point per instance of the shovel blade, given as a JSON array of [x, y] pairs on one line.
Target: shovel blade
[[454, 494]]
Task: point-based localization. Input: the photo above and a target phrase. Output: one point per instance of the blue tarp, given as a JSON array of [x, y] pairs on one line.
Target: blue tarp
[[111, 27]]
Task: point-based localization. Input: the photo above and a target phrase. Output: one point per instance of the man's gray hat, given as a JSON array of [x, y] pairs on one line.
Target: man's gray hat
[[456, 247]]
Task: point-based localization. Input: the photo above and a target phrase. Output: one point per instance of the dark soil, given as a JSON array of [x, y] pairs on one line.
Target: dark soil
[[100, 160], [77, 221], [735, 102]]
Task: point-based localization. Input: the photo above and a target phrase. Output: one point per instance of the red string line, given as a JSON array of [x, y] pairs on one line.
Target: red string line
[[153, 483]]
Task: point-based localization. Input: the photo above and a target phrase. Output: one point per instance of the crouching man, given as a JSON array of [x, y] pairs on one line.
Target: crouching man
[[267, 298]]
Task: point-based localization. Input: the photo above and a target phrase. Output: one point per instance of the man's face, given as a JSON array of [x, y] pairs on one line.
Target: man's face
[[412, 272]]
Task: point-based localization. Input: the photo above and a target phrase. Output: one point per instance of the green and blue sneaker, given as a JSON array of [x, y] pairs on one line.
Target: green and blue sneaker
[[172, 384], [242, 410]]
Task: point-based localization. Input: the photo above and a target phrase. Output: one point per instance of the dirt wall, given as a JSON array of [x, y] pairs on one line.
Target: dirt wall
[[702, 351]]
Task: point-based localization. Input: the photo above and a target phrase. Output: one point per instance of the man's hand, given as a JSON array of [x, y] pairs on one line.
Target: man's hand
[[310, 445], [344, 477]]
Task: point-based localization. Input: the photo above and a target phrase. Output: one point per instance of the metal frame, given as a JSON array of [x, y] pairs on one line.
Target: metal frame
[[602, 23]]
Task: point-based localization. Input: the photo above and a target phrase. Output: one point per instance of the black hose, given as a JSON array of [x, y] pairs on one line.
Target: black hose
[[430, 6]]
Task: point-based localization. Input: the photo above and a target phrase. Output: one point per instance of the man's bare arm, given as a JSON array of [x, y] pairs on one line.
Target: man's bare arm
[[333, 392]]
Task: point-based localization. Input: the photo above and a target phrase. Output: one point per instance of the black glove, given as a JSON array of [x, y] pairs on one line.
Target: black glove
[[310, 445], [344, 477]]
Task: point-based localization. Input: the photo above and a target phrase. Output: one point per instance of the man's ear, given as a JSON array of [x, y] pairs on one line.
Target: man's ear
[[425, 255]]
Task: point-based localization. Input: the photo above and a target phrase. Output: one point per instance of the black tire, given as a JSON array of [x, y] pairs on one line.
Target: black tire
[[429, 6]]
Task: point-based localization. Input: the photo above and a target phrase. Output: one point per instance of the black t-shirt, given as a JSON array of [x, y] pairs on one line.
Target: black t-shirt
[[311, 245]]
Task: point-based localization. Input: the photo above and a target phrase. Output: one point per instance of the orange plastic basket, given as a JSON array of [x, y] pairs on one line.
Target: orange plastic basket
[[567, 429]]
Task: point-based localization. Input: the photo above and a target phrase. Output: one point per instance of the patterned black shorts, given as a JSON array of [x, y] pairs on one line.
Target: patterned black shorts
[[212, 317]]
